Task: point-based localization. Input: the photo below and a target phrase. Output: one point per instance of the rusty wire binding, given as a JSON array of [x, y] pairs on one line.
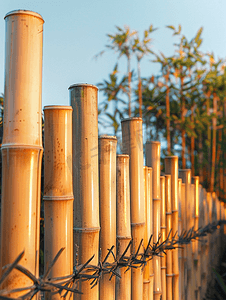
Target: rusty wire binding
[[87, 271]]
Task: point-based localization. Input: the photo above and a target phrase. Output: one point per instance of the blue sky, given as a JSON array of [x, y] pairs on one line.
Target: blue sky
[[74, 31]]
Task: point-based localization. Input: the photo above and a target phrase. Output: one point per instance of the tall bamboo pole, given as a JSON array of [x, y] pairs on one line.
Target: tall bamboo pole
[[58, 192], [83, 99], [163, 235], [151, 278], [22, 145], [185, 174], [180, 251], [183, 249], [153, 160], [169, 262], [147, 234], [195, 180], [123, 228], [107, 188], [171, 168], [132, 140]]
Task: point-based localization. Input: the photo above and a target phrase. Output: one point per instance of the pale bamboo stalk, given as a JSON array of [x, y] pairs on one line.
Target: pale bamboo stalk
[[132, 140], [22, 145], [151, 278], [58, 192], [171, 167], [147, 234], [153, 160], [107, 190], [123, 228], [83, 99], [163, 235], [169, 258], [180, 251]]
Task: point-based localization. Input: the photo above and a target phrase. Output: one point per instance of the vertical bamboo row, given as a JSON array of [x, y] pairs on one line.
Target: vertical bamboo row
[[147, 234], [153, 160], [151, 272], [22, 145], [123, 228], [163, 235], [58, 192], [83, 99], [171, 168], [132, 140], [107, 189], [169, 262]]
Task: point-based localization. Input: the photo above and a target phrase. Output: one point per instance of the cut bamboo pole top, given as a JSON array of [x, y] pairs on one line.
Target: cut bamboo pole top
[[23, 79]]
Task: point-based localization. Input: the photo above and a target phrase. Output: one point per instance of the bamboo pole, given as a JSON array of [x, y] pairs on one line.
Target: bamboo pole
[[151, 272], [195, 180], [132, 140], [22, 145], [169, 261], [107, 188], [171, 167], [147, 234], [83, 99], [180, 250], [123, 228], [58, 192], [185, 174], [183, 249], [153, 160], [163, 235]]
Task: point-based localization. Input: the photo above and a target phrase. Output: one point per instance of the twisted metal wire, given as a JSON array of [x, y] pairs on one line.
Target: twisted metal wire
[[83, 272]]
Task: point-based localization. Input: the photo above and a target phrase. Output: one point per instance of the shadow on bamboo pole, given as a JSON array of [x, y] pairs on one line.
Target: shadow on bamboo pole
[[153, 160], [147, 234], [107, 190], [169, 261], [185, 174], [83, 99], [171, 168], [22, 145], [58, 192], [151, 270], [132, 141], [163, 235], [123, 228]]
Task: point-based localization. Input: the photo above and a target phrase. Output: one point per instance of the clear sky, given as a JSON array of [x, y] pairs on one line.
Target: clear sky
[[74, 31]]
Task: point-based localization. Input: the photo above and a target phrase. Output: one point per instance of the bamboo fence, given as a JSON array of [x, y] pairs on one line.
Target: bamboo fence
[[114, 228]]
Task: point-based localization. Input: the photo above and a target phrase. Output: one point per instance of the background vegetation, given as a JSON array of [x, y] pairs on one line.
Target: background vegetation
[[183, 106]]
